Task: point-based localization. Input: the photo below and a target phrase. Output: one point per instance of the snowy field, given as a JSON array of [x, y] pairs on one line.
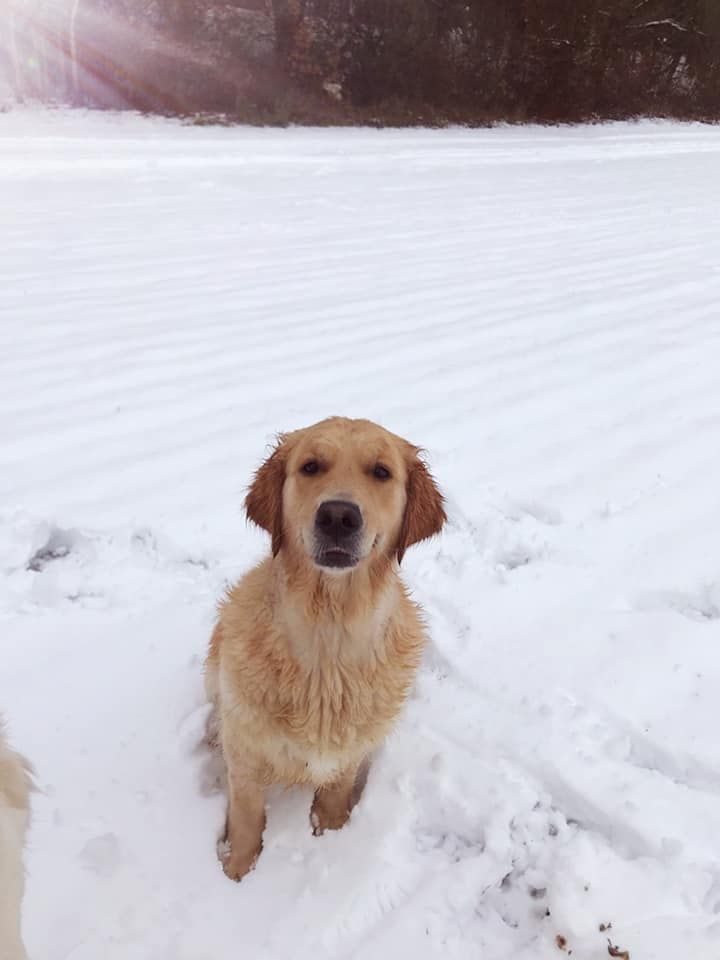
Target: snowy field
[[540, 309]]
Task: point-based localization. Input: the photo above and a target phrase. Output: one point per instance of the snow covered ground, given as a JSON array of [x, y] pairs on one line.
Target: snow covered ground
[[541, 310]]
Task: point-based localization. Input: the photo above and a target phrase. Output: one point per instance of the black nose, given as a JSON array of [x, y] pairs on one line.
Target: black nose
[[338, 519]]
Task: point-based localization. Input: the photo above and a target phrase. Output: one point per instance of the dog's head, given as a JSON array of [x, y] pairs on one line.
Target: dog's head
[[343, 492]]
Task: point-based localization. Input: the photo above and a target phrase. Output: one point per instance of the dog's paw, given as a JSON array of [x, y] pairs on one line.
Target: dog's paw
[[324, 818], [236, 863]]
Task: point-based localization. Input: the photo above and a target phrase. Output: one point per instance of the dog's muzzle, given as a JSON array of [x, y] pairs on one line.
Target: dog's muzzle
[[338, 528]]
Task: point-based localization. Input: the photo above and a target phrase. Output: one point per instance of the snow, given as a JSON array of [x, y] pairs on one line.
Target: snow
[[539, 309]]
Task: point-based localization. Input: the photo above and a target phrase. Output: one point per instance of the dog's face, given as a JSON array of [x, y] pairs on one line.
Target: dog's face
[[343, 492]]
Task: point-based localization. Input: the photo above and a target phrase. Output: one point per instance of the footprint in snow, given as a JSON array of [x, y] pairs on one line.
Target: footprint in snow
[[703, 606], [101, 855], [56, 544]]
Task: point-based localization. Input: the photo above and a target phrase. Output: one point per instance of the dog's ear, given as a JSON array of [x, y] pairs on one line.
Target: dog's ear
[[263, 503], [424, 507]]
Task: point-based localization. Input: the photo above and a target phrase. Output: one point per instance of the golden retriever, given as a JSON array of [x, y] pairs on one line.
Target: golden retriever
[[315, 650], [14, 816]]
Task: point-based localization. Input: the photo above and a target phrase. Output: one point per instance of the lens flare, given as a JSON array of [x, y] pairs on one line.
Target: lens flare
[[76, 51]]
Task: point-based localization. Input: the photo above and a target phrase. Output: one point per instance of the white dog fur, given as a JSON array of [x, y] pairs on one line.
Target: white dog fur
[[15, 785]]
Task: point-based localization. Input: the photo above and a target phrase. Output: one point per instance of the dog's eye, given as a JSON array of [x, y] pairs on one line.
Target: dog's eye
[[311, 467], [381, 472]]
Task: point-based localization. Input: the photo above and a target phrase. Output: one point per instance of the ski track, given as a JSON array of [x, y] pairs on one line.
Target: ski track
[[538, 309]]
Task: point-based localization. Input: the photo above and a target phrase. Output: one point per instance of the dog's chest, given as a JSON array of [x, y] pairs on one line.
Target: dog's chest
[[331, 703], [335, 702], [312, 702]]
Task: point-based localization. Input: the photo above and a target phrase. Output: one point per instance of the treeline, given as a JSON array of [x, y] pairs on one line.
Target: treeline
[[385, 61]]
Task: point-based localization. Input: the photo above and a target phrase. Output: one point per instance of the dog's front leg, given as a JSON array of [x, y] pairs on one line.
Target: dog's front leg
[[334, 801], [245, 819]]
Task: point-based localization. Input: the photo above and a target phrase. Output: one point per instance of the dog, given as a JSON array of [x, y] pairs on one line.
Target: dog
[[315, 650], [15, 785]]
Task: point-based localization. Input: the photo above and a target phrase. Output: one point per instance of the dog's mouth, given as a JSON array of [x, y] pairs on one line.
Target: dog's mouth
[[336, 559]]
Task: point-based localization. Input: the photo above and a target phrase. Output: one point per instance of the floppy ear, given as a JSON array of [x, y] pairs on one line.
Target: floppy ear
[[424, 508], [263, 503]]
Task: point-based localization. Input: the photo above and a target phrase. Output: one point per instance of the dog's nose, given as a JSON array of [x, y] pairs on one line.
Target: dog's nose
[[338, 519]]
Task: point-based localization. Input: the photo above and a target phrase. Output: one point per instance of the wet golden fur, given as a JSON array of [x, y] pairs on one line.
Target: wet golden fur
[[309, 667]]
